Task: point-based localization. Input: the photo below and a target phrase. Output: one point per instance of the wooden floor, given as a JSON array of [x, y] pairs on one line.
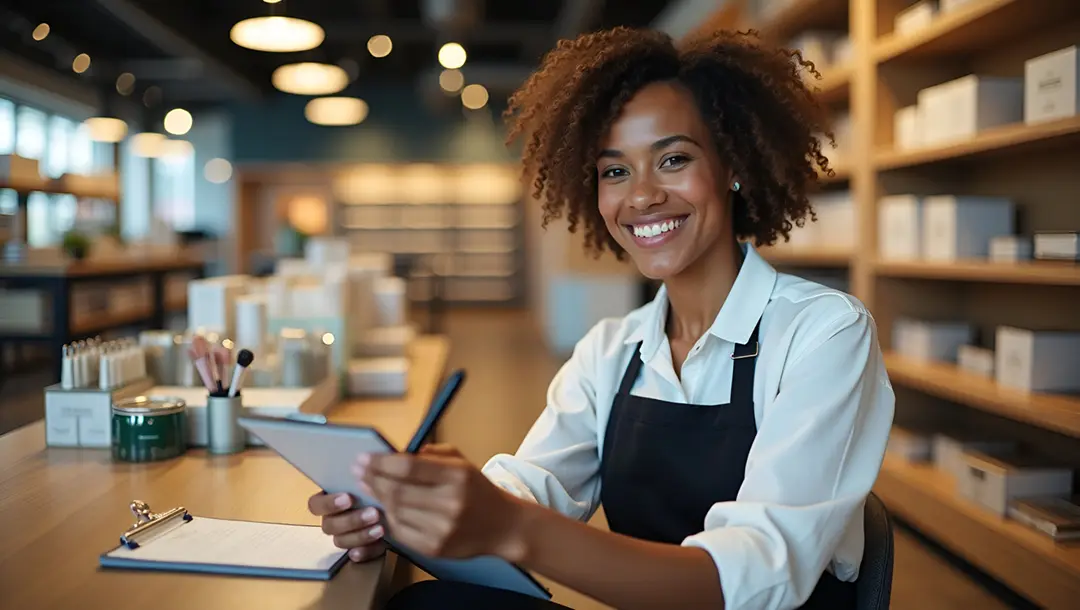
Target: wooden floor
[[509, 371]]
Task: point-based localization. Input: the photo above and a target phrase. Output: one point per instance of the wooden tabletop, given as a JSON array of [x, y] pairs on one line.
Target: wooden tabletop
[[61, 508]]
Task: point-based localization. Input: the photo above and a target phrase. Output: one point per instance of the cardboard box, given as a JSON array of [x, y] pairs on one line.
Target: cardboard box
[[992, 481], [1038, 361], [956, 228], [960, 109], [1010, 248], [930, 341], [900, 227]]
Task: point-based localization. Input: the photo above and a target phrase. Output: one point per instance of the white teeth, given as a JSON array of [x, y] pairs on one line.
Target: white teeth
[[656, 229]]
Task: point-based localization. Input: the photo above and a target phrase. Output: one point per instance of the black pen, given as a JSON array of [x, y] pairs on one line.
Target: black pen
[[435, 411]]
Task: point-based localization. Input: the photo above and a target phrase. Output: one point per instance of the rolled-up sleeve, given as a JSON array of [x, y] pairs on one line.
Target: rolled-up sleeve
[[816, 456], [558, 463]]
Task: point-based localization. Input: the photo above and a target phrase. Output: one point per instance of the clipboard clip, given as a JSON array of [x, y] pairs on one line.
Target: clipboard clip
[[147, 522]]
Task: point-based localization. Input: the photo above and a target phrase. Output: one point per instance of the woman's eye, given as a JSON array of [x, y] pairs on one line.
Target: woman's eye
[[675, 161], [613, 172]]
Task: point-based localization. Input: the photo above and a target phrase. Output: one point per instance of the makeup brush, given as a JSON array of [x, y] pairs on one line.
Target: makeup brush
[[243, 361], [199, 354]]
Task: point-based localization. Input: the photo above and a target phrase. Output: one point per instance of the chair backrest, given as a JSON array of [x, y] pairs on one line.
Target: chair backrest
[[873, 588]]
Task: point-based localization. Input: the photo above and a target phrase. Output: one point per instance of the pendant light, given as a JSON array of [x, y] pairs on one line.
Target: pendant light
[[309, 78], [277, 34]]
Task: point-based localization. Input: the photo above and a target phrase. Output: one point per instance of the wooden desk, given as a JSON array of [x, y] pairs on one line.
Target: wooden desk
[[61, 508]]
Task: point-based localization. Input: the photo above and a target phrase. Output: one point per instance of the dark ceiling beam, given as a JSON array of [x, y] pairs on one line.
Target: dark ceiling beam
[[164, 69], [411, 32], [499, 78], [169, 41]]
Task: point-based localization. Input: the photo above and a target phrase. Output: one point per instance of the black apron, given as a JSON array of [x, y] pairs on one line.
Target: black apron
[[665, 464]]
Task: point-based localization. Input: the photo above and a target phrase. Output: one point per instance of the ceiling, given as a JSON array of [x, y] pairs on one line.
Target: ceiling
[[182, 49]]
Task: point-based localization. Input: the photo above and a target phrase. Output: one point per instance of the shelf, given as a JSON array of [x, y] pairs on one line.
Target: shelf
[[1011, 139], [835, 85], [108, 321], [1054, 412], [1031, 272], [980, 26], [805, 257], [56, 187], [802, 15], [1024, 559]]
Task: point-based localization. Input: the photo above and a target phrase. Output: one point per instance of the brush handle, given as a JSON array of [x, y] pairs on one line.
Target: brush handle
[[204, 368]]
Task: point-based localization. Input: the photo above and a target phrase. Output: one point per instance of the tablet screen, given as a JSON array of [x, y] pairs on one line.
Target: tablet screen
[[325, 452]]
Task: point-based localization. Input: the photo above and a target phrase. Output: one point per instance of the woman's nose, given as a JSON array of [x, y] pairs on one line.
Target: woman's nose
[[646, 194]]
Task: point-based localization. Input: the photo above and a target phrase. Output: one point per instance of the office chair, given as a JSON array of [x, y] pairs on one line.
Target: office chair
[[873, 589]]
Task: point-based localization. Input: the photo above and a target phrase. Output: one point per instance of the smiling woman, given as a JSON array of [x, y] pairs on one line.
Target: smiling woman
[[731, 428]]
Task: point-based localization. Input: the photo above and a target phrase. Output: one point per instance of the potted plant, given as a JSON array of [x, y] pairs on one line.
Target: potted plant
[[76, 244]]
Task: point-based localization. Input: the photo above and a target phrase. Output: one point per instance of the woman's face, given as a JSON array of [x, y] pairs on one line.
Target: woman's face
[[662, 190]]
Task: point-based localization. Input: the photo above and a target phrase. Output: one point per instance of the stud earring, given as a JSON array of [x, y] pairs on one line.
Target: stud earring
[[735, 187]]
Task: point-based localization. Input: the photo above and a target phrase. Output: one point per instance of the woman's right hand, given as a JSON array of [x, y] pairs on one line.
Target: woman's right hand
[[355, 529]]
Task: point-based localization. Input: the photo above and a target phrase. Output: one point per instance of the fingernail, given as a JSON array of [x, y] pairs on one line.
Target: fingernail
[[370, 514], [357, 470], [354, 555], [375, 532], [343, 501], [363, 459]]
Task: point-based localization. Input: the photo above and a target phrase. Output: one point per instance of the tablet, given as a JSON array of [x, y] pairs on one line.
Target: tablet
[[324, 453]]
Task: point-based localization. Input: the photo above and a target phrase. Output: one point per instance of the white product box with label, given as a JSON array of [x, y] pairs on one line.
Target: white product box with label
[[961, 108], [1010, 248], [835, 226], [949, 450], [387, 342], [906, 128], [390, 301], [1038, 361], [915, 17], [991, 481], [910, 445], [899, 227], [378, 377], [82, 417], [957, 228], [930, 341], [1052, 86], [1057, 246], [976, 360], [212, 303]]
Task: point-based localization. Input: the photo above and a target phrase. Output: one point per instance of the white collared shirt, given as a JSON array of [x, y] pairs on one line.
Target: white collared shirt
[[823, 405]]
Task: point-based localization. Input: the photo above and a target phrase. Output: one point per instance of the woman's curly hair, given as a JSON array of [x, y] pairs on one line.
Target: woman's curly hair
[[763, 117]]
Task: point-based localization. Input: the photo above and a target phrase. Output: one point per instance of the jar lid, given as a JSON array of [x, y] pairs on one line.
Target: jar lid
[[149, 405]]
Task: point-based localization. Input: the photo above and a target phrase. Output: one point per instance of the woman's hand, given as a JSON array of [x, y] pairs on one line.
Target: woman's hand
[[357, 530], [439, 504]]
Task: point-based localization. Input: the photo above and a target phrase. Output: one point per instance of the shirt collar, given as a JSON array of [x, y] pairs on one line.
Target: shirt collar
[[735, 322]]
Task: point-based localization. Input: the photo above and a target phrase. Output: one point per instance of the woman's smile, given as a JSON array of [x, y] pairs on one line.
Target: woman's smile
[[655, 232]]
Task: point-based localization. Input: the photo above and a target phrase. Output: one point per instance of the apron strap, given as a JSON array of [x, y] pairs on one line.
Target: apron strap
[[631, 374], [742, 378]]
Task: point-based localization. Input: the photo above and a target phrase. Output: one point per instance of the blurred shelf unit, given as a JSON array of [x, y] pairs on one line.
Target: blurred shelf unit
[[465, 220], [953, 214], [23, 176]]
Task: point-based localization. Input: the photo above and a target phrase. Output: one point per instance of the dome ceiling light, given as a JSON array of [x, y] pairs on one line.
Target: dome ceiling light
[[147, 144], [335, 111], [277, 34], [307, 78], [106, 129]]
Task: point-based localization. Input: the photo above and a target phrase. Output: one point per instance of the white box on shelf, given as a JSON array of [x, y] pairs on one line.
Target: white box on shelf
[[1010, 248], [267, 402], [835, 226], [910, 445], [1052, 86], [1058, 245], [900, 227], [906, 128], [930, 341], [321, 251], [378, 376], [991, 481], [82, 417], [961, 108], [816, 46], [843, 51], [956, 228], [915, 17], [212, 303], [949, 450], [1038, 361], [976, 360], [387, 342]]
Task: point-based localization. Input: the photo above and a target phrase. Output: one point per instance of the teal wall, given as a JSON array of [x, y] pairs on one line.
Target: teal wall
[[399, 128]]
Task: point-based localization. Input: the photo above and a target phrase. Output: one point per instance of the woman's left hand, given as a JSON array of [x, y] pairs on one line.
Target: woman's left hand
[[439, 504]]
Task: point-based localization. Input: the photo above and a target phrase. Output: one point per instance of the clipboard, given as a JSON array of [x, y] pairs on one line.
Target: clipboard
[[177, 541], [323, 453]]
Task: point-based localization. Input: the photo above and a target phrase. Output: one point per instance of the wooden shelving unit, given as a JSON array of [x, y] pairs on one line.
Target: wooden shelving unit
[[1038, 168], [1016, 555]]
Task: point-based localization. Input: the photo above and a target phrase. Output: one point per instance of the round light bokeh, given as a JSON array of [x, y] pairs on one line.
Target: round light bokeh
[[308, 78], [336, 111], [277, 34]]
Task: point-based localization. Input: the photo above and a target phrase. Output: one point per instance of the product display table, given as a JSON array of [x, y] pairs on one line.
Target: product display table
[[61, 508]]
